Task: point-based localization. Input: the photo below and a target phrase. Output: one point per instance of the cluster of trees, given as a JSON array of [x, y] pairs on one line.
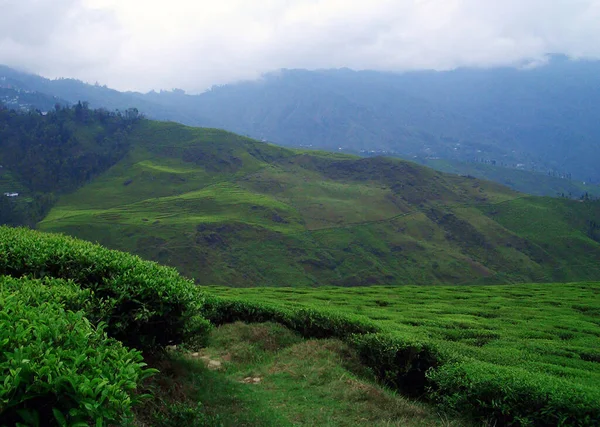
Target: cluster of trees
[[593, 230], [58, 151], [25, 210]]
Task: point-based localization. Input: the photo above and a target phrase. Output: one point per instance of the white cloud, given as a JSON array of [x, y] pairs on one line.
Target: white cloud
[[57, 37], [144, 44]]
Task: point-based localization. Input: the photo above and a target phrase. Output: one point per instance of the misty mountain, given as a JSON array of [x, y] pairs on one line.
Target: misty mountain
[[71, 91], [543, 119]]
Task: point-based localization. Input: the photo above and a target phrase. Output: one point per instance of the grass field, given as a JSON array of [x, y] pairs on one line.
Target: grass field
[[549, 330]]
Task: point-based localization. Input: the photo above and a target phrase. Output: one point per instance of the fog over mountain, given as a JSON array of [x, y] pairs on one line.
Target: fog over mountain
[[143, 45], [512, 83]]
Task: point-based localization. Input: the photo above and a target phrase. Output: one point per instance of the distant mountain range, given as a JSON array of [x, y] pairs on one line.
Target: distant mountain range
[[544, 119]]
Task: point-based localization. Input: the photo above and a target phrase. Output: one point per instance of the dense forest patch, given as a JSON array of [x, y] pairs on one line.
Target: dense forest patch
[[44, 155]]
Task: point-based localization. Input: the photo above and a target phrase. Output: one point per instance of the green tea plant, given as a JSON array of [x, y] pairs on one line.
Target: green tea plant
[[142, 304], [310, 323], [510, 355], [398, 360], [56, 368], [513, 396]]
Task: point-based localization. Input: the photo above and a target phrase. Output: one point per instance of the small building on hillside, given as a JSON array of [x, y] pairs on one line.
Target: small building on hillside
[[11, 194]]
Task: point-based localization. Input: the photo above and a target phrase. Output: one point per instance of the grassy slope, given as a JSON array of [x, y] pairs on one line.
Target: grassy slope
[[546, 330], [229, 210]]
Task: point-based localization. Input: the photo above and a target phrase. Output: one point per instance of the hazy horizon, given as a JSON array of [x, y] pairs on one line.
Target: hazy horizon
[[194, 45]]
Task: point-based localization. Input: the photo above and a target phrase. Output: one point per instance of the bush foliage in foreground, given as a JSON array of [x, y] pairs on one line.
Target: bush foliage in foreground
[[142, 303], [55, 367], [61, 314], [44, 322]]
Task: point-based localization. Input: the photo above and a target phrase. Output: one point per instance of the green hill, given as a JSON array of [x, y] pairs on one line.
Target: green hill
[[225, 209], [542, 118]]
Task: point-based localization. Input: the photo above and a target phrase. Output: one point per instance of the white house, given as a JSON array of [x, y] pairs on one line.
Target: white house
[[11, 194]]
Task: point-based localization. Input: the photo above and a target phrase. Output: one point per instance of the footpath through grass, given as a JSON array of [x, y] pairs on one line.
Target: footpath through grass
[[267, 375]]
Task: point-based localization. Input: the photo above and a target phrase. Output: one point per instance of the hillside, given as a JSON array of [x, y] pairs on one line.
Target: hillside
[[229, 210], [45, 155], [541, 119], [24, 100]]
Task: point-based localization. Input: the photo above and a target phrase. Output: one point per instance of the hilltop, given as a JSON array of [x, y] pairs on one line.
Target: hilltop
[[226, 209]]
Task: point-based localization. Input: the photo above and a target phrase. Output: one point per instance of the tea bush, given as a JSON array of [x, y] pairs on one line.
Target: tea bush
[[56, 368], [57, 365], [513, 396], [399, 361], [310, 323], [419, 365], [142, 303]]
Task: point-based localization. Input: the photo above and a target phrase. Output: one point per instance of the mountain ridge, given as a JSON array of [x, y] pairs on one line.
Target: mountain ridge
[[539, 120]]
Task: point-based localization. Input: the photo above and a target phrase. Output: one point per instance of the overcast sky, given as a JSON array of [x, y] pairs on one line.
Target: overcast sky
[[193, 44]]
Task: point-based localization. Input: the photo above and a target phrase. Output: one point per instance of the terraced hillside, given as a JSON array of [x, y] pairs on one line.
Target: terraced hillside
[[225, 209]]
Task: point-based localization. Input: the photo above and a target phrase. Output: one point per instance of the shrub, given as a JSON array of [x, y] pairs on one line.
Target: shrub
[[399, 361], [141, 303], [309, 323], [185, 414], [513, 396], [55, 367]]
